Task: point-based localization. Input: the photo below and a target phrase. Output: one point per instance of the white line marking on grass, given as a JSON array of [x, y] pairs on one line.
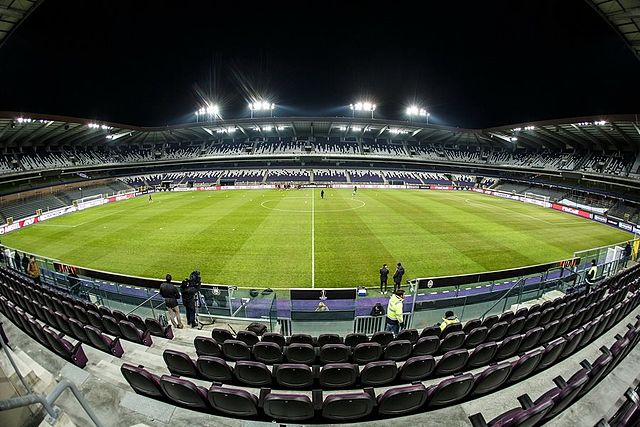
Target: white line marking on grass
[[264, 205], [507, 209], [313, 238]]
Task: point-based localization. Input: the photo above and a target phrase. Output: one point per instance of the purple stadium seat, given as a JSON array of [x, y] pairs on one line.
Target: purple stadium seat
[[516, 326], [235, 350], [426, 346], [301, 353], [274, 338], [382, 337], [184, 393], [96, 320], [498, 331], [63, 323], [77, 329], [118, 315], [348, 406], [267, 352], [482, 355], [525, 365], [288, 407], [475, 337], [334, 353], [129, 331], [293, 375], [221, 335], [400, 401], [81, 314], [180, 363], [508, 347], [451, 328], [398, 350], [452, 341], [156, 329], [452, 362], [551, 353], [103, 342], [324, 339], [68, 309], [367, 352], [550, 330], [137, 322], [531, 321], [74, 354], [354, 339], [471, 325], [531, 339], [214, 369], [379, 373], [430, 331], [206, 346], [489, 321], [410, 335], [252, 373], [491, 379], [564, 393], [248, 337], [301, 339], [449, 391], [111, 326], [507, 316], [573, 340], [237, 403], [142, 381], [519, 417], [338, 375], [417, 368]]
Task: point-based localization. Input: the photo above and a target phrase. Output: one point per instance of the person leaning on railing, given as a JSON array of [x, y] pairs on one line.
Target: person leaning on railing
[[32, 269]]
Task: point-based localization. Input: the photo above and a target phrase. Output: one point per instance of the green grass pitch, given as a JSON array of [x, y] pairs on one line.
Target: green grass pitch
[[260, 238]]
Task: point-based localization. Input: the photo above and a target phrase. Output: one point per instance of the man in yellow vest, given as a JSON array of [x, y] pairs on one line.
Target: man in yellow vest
[[394, 312], [591, 275], [448, 319]]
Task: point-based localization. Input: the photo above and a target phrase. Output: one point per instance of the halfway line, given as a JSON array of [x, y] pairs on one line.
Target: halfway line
[[313, 237]]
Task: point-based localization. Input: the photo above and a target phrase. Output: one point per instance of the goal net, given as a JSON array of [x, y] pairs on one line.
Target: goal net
[[537, 199], [86, 202]]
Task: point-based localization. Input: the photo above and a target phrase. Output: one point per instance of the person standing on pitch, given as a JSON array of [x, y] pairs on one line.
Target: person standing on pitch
[[384, 274], [322, 194], [397, 277], [355, 189], [170, 293], [394, 319]]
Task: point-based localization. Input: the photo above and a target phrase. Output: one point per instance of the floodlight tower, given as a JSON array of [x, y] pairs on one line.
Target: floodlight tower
[[208, 113], [261, 105], [416, 111], [365, 106]]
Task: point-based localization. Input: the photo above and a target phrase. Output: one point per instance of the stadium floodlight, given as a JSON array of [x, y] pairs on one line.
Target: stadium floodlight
[[208, 112], [363, 106], [261, 105], [416, 111]]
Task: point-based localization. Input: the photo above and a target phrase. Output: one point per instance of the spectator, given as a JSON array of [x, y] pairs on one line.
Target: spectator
[[448, 319], [32, 269], [397, 277], [189, 288], [10, 260], [17, 261], [74, 282], [322, 307], [627, 253], [25, 262], [394, 318], [591, 275], [170, 293], [384, 274]]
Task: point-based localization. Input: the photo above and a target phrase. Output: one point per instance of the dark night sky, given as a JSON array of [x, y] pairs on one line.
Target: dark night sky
[[472, 63]]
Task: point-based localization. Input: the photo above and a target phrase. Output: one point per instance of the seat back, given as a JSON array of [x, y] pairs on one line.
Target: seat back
[[334, 353], [382, 337], [252, 373], [497, 331], [111, 326], [410, 335], [206, 346], [489, 321], [294, 375], [354, 339], [525, 365], [184, 393], [367, 352], [137, 322], [237, 403], [482, 355], [451, 328], [221, 335], [274, 338], [301, 339], [214, 369], [142, 381], [491, 378], [476, 337], [301, 353], [531, 339], [248, 337], [379, 373], [426, 346], [324, 339], [449, 391], [77, 330], [470, 325], [180, 363], [452, 341], [417, 368], [338, 375], [508, 347], [402, 400], [235, 350], [430, 331], [516, 326], [531, 321], [347, 406], [452, 362], [268, 353], [288, 407], [398, 350], [551, 352]]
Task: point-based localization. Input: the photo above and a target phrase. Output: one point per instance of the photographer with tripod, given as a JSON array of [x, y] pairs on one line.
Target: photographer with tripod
[[189, 289]]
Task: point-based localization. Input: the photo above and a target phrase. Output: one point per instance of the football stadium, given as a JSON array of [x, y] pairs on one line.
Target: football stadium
[[239, 257]]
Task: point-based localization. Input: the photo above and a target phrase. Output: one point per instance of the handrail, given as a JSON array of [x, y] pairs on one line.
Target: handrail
[[506, 295], [46, 401], [143, 303]]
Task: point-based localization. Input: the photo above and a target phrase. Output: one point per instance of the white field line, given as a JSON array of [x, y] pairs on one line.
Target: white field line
[[474, 202], [313, 237]]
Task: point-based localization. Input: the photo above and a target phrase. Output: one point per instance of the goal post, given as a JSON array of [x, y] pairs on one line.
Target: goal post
[[537, 199], [89, 201]]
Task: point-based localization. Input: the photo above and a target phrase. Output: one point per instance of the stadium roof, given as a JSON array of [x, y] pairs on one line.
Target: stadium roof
[[624, 17], [616, 132], [12, 14]]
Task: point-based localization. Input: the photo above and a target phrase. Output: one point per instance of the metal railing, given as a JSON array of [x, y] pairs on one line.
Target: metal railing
[[150, 301], [369, 325], [47, 401]]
